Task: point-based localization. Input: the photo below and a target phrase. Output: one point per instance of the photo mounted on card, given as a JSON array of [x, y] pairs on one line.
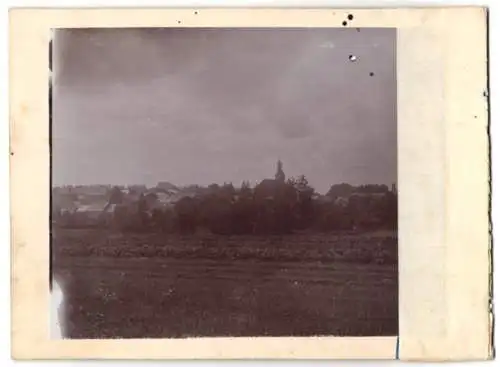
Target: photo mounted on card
[[250, 183]]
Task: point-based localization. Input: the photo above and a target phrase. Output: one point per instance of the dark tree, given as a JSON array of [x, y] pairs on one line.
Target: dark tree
[[340, 190], [186, 210], [228, 190], [332, 217], [221, 220], [142, 211], [157, 219], [243, 211], [213, 188], [245, 190], [116, 196], [304, 206]]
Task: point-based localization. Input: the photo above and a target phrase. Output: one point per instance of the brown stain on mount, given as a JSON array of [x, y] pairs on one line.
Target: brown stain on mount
[[24, 110]]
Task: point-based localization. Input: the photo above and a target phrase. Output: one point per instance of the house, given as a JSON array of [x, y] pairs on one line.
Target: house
[[323, 199], [62, 202], [166, 186], [168, 199], [140, 189], [62, 205], [164, 197], [341, 201], [89, 215], [367, 196], [90, 190]]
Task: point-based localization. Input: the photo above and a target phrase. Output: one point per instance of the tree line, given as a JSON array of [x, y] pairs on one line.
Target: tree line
[[272, 207]]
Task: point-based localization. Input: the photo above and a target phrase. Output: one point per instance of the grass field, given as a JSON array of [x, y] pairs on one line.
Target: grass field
[[157, 285]]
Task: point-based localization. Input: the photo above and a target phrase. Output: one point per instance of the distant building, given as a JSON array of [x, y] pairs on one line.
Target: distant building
[[270, 188], [280, 175], [164, 197], [94, 190], [342, 201], [166, 186], [321, 198], [137, 188], [368, 194], [88, 215]]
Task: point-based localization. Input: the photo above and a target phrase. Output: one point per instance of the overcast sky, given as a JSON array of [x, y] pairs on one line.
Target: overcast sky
[[197, 106]]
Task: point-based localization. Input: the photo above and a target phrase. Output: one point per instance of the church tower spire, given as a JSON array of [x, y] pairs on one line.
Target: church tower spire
[[280, 175]]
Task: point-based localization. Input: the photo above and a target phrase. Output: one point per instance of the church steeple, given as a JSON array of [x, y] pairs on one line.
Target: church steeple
[[280, 175]]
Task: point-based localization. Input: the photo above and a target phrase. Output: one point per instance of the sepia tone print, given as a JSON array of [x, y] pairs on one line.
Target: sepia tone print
[[225, 182]]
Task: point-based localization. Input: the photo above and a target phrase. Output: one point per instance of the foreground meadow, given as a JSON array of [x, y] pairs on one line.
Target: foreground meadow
[[122, 285]]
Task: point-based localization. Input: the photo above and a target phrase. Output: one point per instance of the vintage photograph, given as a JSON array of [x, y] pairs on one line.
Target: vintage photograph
[[211, 182]]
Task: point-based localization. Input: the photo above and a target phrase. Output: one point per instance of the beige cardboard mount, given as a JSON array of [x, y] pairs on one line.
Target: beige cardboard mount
[[443, 186]]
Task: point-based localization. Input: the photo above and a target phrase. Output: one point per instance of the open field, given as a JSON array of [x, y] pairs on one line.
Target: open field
[[158, 285]]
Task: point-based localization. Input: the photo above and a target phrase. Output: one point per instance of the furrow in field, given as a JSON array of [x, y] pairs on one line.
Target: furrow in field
[[149, 262], [333, 276], [232, 267]]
